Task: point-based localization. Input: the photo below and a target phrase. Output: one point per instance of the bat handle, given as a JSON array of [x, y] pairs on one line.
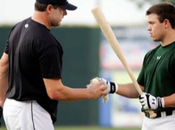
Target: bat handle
[[152, 114]]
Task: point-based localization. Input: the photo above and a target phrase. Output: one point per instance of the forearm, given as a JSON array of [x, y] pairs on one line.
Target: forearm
[[57, 91], [3, 82], [3, 90], [169, 101], [72, 94], [127, 90]]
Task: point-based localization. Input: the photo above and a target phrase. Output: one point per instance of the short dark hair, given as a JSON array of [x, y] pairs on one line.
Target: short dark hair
[[164, 10], [42, 7]]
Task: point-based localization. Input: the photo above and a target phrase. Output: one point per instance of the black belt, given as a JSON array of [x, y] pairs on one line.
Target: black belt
[[167, 113]]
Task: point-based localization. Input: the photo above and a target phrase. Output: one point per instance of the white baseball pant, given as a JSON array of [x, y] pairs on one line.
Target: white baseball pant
[[28, 115], [162, 123]]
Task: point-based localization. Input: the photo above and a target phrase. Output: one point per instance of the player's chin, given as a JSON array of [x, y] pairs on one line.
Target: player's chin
[[56, 24], [155, 39]]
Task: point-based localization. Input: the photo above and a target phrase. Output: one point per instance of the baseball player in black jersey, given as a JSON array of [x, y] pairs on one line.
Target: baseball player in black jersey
[[30, 71], [157, 76]]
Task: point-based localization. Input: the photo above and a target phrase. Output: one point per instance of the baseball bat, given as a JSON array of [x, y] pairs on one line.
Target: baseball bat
[[110, 36]]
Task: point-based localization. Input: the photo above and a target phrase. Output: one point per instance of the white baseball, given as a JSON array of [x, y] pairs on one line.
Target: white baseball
[[105, 98], [95, 81]]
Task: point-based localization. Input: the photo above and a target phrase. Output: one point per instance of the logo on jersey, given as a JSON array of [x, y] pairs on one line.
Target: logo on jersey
[[158, 57], [26, 25]]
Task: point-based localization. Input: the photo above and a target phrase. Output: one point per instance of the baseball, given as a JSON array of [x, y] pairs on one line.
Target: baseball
[[95, 81], [105, 98]]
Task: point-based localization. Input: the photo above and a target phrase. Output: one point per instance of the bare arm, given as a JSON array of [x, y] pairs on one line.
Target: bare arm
[[3, 78], [128, 90], [57, 91], [169, 101]]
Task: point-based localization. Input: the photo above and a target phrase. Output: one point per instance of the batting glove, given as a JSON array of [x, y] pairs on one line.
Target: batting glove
[[148, 101], [111, 86]]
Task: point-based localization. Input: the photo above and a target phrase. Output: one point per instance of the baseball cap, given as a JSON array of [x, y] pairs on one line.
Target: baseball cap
[[61, 3]]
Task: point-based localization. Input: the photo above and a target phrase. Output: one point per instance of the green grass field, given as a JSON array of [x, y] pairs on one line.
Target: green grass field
[[93, 128], [87, 128]]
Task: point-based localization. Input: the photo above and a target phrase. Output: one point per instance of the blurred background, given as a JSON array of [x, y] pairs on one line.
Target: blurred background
[[87, 54]]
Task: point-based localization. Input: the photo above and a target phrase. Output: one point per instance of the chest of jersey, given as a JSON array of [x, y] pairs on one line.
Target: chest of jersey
[[159, 71]]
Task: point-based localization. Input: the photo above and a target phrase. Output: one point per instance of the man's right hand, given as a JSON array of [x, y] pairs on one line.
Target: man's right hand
[[111, 86], [97, 88]]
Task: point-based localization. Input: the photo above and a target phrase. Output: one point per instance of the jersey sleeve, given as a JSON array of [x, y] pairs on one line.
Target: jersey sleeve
[[172, 65], [50, 61], [140, 78], [6, 49]]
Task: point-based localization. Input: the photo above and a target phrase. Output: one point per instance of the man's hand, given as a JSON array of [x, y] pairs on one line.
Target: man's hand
[[111, 86], [97, 88], [148, 101], [0, 114]]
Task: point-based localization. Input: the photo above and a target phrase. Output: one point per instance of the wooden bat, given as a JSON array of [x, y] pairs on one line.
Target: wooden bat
[[110, 36]]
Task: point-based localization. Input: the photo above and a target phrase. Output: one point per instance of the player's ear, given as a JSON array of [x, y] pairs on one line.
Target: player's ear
[[49, 8], [166, 23]]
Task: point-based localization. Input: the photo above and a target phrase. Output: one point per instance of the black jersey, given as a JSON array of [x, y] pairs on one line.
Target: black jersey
[[34, 54]]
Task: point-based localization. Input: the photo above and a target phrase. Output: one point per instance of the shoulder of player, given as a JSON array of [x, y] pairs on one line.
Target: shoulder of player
[[151, 52]]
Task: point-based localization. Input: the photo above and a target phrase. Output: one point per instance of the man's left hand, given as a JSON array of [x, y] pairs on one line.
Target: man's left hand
[[148, 101]]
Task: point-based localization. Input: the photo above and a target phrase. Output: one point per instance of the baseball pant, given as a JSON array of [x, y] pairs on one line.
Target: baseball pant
[[28, 115], [162, 123]]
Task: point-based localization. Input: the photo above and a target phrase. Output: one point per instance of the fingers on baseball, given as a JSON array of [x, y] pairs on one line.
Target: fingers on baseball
[[104, 90], [87, 86]]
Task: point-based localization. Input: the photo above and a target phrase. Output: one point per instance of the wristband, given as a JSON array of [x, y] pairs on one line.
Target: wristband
[[112, 87], [161, 103]]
